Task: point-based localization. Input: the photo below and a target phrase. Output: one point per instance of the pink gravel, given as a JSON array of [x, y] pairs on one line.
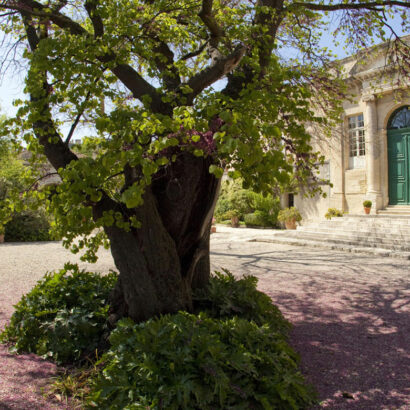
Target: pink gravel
[[351, 317]]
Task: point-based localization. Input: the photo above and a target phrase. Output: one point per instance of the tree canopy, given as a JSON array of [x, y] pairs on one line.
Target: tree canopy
[[223, 84]]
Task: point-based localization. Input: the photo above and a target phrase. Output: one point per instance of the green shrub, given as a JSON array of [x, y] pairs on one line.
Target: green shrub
[[187, 361], [268, 206], [63, 317], [222, 206], [28, 226], [232, 213], [253, 220], [259, 218], [333, 212], [225, 297], [244, 201]]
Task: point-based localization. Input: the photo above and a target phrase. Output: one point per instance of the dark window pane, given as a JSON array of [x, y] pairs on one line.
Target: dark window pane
[[400, 119]]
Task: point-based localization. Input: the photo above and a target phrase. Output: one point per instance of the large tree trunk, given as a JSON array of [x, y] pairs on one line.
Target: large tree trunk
[[160, 263]]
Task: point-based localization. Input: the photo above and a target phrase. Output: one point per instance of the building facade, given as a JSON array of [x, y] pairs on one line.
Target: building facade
[[368, 156]]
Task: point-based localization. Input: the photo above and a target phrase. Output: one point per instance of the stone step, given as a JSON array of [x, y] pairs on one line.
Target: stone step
[[382, 222], [350, 240], [394, 232], [404, 236], [336, 246], [394, 210]]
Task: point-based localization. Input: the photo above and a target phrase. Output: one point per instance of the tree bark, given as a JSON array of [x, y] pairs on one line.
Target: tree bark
[[161, 262]]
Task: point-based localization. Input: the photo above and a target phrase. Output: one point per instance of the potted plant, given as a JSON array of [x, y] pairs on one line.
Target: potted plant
[[213, 227], [367, 206], [233, 215], [2, 231], [289, 216]]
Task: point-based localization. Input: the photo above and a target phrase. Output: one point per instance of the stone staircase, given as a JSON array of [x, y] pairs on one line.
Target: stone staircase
[[395, 210], [384, 234]]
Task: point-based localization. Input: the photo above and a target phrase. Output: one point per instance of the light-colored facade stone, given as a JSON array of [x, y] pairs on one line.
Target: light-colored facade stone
[[377, 95]]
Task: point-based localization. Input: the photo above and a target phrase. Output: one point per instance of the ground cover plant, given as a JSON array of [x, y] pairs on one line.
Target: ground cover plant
[[187, 361], [232, 352], [63, 317]]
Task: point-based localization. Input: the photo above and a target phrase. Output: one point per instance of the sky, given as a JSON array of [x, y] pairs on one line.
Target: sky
[[12, 84]]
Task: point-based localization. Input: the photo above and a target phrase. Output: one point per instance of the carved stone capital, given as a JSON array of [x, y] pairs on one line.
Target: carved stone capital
[[368, 98]]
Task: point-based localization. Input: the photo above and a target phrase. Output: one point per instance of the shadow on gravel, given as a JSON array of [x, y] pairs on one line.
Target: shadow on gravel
[[357, 355]]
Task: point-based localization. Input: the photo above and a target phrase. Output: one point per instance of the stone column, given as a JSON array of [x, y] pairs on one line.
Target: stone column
[[373, 192]]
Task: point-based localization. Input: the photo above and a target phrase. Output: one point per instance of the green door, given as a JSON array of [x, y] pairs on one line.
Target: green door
[[399, 166]]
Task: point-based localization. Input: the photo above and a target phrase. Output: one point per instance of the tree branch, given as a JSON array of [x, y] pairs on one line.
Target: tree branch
[[169, 71], [216, 32], [269, 24], [349, 6], [55, 150], [91, 7], [213, 73], [77, 120], [194, 53], [124, 72]]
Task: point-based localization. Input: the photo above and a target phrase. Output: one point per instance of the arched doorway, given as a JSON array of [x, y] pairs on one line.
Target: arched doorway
[[398, 137]]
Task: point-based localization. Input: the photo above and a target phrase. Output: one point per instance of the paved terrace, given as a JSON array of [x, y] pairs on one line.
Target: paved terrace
[[351, 316]]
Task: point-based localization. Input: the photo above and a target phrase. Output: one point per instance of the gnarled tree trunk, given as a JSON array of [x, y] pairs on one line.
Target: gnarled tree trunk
[[160, 263]]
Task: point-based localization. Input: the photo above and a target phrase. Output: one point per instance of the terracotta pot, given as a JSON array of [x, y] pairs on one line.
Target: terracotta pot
[[291, 224], [235, 222], [367, 211], [213, 229], [1, 237]]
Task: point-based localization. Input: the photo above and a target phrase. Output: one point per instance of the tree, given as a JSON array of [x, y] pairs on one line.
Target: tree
[[147, 75]]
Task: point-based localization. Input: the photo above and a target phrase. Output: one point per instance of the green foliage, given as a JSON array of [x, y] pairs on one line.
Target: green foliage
[[187, 361], [289, 214], [63, 317], [367, 204], [244, 201], [255, 219], [333, 212], [231, 214], [11, 168], [225, 296], [232, 198], [28, 226]]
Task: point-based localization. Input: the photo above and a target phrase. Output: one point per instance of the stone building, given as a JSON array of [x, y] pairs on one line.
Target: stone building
[[368, 157]]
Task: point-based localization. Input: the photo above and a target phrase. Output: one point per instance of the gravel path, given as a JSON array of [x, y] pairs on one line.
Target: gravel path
[[351, 316]]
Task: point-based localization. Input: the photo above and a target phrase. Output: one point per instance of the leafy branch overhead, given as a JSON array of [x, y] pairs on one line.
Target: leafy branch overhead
[[229, 81]]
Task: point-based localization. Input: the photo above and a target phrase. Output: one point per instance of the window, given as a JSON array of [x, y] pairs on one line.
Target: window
[[400, 119], [357, 150]]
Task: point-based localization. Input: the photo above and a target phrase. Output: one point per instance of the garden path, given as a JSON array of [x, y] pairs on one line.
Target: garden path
[[351, 316]]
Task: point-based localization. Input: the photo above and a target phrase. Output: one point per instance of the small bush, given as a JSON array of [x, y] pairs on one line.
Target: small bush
[[223, 205], [233, 213], [253, 220], [225, 297], [63, 317], [262, 219], [28, 226], [187, 361], [367, 204], [333, 212]]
